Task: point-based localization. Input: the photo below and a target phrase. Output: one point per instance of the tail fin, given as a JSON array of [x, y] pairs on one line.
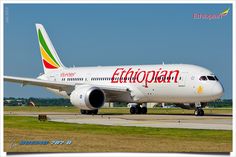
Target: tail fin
[[50, 59]]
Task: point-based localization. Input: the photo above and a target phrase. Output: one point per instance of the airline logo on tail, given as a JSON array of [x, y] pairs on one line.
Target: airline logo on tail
[[48, 59]]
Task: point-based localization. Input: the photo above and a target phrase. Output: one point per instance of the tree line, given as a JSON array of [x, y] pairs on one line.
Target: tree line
[[11, 101]]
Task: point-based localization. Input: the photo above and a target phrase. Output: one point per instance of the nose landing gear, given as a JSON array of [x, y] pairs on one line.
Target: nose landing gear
[[199, 112]]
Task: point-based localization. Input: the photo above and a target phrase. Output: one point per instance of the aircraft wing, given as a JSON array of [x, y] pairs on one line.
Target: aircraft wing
[[37, 82], [112, 93]]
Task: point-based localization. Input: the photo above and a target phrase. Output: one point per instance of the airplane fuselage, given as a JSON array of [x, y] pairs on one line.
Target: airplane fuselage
[[171, 83]]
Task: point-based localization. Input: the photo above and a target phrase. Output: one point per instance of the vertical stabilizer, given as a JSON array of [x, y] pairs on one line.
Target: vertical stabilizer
[[50, 59]]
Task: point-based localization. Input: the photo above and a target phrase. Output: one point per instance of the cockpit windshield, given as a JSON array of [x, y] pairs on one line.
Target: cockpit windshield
[[210, 78], [203, 78]]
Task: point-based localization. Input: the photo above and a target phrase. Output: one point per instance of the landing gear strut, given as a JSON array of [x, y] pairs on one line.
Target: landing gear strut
[[89, 111], [137, 109], [199, 112]]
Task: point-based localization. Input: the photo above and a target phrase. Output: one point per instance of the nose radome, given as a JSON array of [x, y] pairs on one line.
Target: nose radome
[[218, 90]]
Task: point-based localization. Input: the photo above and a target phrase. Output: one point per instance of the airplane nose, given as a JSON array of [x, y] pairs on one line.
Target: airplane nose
[[218, 90]]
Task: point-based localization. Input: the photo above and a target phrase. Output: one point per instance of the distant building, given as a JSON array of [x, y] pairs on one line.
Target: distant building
[[108, 105], [14, 101]]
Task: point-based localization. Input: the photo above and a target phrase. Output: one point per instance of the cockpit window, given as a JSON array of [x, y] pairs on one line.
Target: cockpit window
[[211, 78], [203, 78]]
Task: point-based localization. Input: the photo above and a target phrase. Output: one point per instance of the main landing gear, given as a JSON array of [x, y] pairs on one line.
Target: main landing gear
[[138, 109], [93, 112], [199, 112]]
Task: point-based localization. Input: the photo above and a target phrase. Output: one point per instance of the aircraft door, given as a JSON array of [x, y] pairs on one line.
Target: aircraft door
[[182, 79], [87, 78]]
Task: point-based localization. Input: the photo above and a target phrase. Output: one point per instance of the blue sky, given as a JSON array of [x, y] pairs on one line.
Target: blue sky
[[102, 34]]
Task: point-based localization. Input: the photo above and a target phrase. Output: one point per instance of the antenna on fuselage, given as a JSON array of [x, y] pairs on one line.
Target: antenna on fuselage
[[163, 63]]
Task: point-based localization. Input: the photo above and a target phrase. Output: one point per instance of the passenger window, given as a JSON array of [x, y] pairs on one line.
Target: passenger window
[[203, 78], [211, 78]]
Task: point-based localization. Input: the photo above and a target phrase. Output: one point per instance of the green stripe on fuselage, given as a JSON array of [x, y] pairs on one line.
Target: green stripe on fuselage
[[44, 44]]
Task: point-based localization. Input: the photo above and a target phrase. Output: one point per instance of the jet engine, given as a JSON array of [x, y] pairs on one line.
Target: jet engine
[[87, 97]]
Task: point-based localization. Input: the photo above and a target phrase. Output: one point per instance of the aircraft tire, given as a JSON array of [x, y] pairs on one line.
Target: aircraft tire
[[95, 112], [196, 113], [144, 110], [199, 112], [132, 110], [89, 111]]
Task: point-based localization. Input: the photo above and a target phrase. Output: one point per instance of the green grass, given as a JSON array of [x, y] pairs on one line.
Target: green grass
[[41, 109], [114, 110], [31, 123], [99, 138]]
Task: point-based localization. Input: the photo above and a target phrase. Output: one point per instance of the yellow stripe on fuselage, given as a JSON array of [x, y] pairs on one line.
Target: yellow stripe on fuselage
[[47, 58]]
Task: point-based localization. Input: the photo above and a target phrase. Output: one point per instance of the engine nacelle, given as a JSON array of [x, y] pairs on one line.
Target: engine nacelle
[[87, 97]]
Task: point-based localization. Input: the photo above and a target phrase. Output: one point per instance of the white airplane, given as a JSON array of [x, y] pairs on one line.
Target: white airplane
[[88, 88]]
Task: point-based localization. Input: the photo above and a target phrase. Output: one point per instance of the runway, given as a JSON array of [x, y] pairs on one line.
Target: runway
[[157, 121]]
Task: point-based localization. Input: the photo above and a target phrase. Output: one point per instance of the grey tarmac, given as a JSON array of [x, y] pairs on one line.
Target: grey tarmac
[[216, 122]]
